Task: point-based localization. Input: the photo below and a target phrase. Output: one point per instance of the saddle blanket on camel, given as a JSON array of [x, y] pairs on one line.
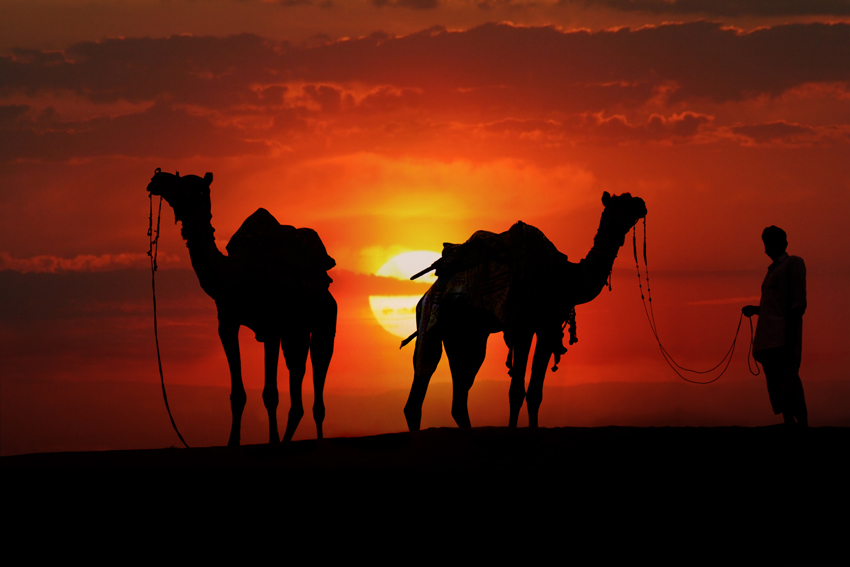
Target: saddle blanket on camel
[[286, 251], [510, 275], [287, 268]]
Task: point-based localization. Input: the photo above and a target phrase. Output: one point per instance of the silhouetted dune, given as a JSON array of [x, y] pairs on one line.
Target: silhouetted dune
[[62, 415], [680, 495], [723, 455]]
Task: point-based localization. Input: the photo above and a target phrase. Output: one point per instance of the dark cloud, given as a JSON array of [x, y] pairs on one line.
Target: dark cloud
[[293, 3], [696, 60], [35, 57], [82, 262], [685, 125], [12, 113], [208, 71], [386, 100], [415, 4], [158, 132], [216, 96], [330, 99], [617, 129], [272, 96], [724, 7], [700, 60], [774, 131], [515, 126]]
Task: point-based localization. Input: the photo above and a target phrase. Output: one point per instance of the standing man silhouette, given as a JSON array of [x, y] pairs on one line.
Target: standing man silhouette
[[778, 343]]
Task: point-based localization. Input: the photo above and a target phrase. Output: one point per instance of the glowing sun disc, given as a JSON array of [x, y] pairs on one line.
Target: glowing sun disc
[[397, 313], [402, 266]]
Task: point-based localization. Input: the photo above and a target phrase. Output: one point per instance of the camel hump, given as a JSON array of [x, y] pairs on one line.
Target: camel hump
[[255, 235], [518, 245], [315, 249], [282, 248], [530, 247], [483, 246]]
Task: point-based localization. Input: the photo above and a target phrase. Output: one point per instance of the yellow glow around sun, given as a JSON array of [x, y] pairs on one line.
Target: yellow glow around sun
[[397, 313], [402, 266]]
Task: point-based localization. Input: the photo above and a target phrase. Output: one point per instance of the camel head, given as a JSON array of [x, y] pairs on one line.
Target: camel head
[[623, 211], [189, 195]]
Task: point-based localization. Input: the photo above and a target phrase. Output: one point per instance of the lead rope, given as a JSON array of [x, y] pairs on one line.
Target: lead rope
[[650, 316], [152, 252]]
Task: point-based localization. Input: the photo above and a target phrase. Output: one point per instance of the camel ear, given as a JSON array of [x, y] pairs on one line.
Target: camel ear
[[606, 196], [208, 178]]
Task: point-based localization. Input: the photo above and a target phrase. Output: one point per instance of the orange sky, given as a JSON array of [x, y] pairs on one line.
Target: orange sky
[[395, 125]]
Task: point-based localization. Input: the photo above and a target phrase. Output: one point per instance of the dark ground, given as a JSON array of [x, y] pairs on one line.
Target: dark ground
[[679, 454], [684, 496]]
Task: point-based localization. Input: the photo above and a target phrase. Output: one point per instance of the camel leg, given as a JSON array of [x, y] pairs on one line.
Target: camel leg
[[295, 345], [270, 394], [539, 364], [321, 351], [426, 357], [465, 349], [229, 335], [522, 346]]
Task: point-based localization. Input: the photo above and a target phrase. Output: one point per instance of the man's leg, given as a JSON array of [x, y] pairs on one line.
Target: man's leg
[[772, 364], [799, 400], [781, 370], [796, 397]]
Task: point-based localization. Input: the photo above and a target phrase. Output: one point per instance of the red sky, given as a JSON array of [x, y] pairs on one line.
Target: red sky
[[390, 126]]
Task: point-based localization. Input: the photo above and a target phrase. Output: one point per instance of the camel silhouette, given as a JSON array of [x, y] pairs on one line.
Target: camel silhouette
[[273, 281], [518, 283]]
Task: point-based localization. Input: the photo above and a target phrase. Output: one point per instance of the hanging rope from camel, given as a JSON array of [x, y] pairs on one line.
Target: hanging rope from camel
[[650, 317], [153, 236]]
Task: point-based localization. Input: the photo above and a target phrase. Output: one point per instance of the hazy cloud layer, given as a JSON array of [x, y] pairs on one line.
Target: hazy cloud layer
[[80, 263], [772, 131], [244, 95], [699, 59], [724, 7], [158, 132], [415, 4]]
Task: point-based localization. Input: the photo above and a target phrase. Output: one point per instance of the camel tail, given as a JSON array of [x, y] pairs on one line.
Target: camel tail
[[408, 339]]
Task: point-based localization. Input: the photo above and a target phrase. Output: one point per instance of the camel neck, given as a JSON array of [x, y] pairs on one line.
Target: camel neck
[[207, 260], [596, 266]]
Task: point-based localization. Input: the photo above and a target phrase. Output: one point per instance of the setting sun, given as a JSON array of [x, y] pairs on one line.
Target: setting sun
[[403, 266], [397, 313]]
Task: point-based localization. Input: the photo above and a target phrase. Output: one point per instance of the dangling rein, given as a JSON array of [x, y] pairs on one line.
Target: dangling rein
[[650, 316], [152, 251]]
